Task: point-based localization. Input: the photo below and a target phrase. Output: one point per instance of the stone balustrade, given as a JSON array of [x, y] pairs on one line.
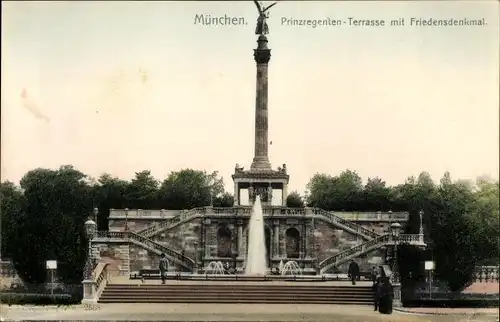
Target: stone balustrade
[[268, 211], [93, 287], [486, 274]]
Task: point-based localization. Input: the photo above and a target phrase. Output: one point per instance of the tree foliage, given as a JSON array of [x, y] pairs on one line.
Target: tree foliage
[[460, 219], [43, 217], [294, 200]]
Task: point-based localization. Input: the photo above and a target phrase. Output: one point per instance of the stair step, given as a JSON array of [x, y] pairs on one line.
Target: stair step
[[229, 296], [239, 286], [234, 292], [232, 300]]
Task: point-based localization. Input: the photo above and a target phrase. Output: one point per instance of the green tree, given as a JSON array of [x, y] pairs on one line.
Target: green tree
[[12, 205], [454, 235], [486, 218], [188, 188], [224, 200], [344, 192], [142, 192], [51, 226], [294, 200], [376, 196], [109, 193]]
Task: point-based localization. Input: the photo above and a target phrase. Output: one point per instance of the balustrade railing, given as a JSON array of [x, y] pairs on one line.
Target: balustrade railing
[[367, 246], [411, 238], [128, 235], [346, 223], [173, 221], [93, 286], [344, 256], [102, 277], [188, 215], [486, 274]]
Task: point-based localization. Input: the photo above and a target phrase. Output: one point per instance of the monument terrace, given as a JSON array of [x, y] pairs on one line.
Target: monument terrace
[[256, 239]]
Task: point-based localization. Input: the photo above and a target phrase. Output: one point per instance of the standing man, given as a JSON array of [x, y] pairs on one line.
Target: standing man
[[374, 274], [353, 272], [376, 292], [163, 267]]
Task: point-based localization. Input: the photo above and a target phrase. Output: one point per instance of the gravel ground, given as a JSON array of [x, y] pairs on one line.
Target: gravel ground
[[230, 312]]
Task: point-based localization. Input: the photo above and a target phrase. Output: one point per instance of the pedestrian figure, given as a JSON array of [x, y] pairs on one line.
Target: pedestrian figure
[[385, 297], [353, 272], [163, 267], [374, 274], [376, 293]]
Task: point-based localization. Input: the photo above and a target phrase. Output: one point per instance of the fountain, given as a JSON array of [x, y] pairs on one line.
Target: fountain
[[256, 257], [215, 268], [291, 268]]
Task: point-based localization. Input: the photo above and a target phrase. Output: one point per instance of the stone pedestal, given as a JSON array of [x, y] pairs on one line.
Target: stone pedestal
[[89, 292]]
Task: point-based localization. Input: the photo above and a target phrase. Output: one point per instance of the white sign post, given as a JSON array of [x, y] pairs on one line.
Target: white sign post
[[429, 266], [51, 266]]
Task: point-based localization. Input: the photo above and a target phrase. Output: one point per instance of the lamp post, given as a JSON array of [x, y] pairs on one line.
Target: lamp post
[[396, 284], [390, 217], [126, 219], [90, 230]]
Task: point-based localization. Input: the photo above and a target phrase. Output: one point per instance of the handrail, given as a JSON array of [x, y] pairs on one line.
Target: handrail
[[172, 222], [200, 212], [362, 231], [176, 256], [365, 247], [353, 250], [101, 278], [172, 254]]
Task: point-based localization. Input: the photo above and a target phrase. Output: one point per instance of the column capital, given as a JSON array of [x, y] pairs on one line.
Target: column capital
[[262, 56]]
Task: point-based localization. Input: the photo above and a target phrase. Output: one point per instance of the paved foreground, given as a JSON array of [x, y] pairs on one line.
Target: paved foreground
[[230, 312]]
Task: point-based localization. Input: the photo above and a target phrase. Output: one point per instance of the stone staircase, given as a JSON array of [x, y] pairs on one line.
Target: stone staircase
[[172, 222], [345, 224], [233, 292], [321, 214], [148, 244], [366, 247]]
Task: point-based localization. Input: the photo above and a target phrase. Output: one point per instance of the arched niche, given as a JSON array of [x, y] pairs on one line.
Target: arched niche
[[224, 242], [292, 242]]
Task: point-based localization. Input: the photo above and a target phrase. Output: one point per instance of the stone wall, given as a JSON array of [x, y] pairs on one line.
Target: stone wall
[[329, 239], [182, 238], [134, 225], [117, 254], [141, 258], [332, 240]]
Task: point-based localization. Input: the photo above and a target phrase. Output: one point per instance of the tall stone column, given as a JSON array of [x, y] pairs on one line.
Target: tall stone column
[[262, 56]]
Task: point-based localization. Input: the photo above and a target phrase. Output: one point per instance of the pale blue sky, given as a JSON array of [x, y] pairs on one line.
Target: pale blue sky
[[388, 102]]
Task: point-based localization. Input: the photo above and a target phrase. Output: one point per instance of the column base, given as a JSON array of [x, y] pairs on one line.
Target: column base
[[260, 164]]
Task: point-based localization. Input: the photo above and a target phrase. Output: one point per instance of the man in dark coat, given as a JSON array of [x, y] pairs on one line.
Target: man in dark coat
[[376, 292], [386, 296], [375, 274], [163, 267], [353, 272]]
